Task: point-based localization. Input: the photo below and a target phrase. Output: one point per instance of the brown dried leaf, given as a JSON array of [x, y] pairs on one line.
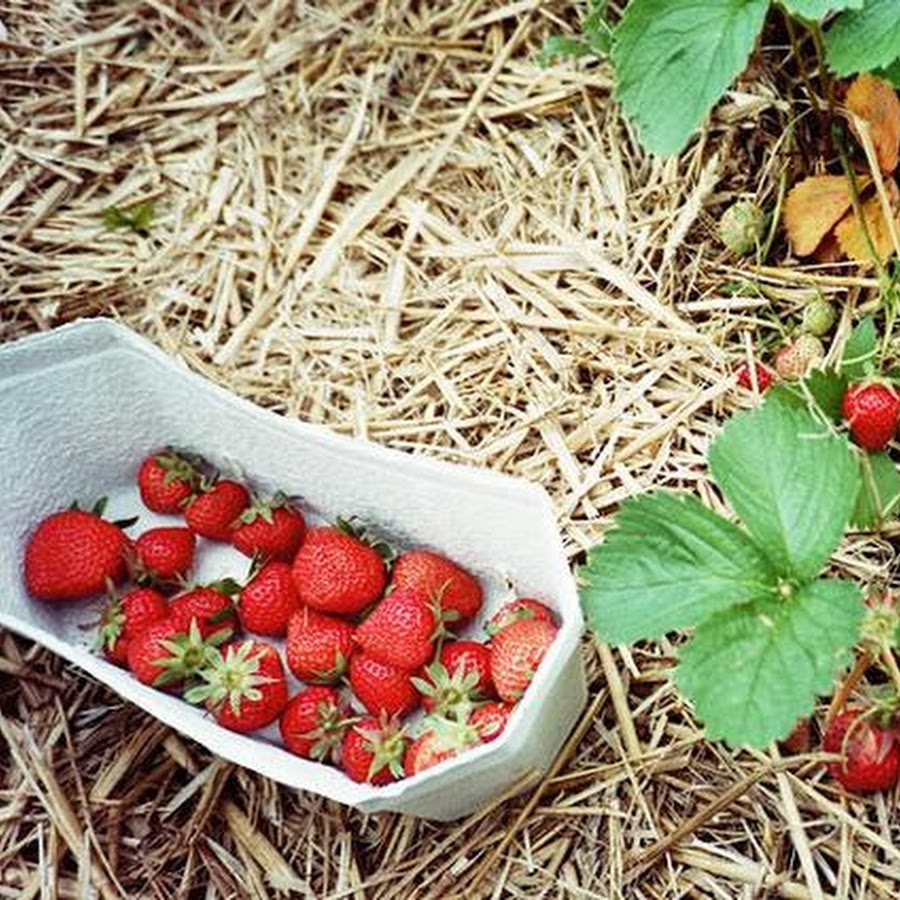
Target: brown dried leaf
[[812, 209], [876, 101], [852, 239]]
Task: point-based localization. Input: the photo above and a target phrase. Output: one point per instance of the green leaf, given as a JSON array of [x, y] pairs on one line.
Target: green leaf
[[818, 9], [822, 389], [753, 670], [674, 59], [792, 481], [879, 492], [597, 38], [891, 73], [860, 351], [559, 46], [864, 39], [668, 563]]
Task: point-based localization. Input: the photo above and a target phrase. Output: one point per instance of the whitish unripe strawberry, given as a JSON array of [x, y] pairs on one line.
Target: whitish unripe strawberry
[[794, 360], [742, 227]]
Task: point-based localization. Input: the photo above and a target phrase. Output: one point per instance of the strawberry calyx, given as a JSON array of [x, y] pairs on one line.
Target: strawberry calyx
[[326, 738], [355, 527], [387, 744], [230, 677], [451, 695], [181, 465], [188, 654], [263, 507]]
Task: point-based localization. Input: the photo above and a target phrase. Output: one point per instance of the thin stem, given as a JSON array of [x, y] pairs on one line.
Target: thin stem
[[841, 695]]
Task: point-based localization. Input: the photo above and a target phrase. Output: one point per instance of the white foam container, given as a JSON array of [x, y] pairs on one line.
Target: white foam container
[[83, 404]]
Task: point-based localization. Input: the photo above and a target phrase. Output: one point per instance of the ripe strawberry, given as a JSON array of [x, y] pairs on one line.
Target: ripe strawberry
[[382, 688], [514, 610], [871, 752], [314, 723], [270, 529], [516, 653], [400, 630], [210, 605], [794, 360], [74, 554], [246, 688], [166, 480], [461, 676], [125, 617], [440, 741], [267, 602], [214, 513], [764, 376], [336, 572], [490, 720], [163, 654], [318, 646], [372, 751], [456, 592], [164, 554], [873, 411]]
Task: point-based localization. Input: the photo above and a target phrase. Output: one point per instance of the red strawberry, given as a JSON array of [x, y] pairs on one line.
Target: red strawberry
[[460, 677], [382, 688], [314, 723], [125, 617], [318, 646], [166, 481], [873, 411], [336, 572], [165, 554], [210, 605], [270, 529], [441, 740], [490, 720], [74, 554], [400, 630], [871, 752], [246, 688], [516, 653], [215, 512], [163, 654], [457, 593], [268, 600], [115, 651], [521, 608], [764, 376], [372, 751]]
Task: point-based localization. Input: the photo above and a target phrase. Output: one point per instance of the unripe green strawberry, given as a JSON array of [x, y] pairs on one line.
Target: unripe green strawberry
[[742, 227], [794, 360], [818, 317]]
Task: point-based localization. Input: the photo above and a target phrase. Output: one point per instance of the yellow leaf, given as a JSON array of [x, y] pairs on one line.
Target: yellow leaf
[[852, 239], [876, 101], [812, 209]]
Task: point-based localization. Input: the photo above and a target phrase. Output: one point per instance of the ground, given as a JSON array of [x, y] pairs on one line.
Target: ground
[[387, 218]]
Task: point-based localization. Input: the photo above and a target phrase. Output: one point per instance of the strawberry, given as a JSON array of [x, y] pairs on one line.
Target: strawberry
[[516, 653], [74, 554], [125, 617], [318, 646], [314, 723], [490, 719], [245, 686], [873, 411], [210, 605], [336, 572], [457, 593], [372, 750], [459, 678], [818, 317], [270, 529], [166, 480], [163, 654], [763, 374], [214, 513], [382, 688], [794, 360], [267, 602], [164, 554], [514, 610], [870, 751], [400, 631], [440, 741]]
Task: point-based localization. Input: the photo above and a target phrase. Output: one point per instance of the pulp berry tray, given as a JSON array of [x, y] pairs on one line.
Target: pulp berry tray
[[83, 404]]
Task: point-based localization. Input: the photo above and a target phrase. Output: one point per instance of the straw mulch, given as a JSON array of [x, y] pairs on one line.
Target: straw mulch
[[384, 216]]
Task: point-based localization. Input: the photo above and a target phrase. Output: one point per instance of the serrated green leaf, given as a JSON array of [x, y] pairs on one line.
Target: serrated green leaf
[[864, 39], [879, 492], [818, 9], [860, 351], [822, 389], [792, 481], [668, 563], [675, 58], [753, 670]]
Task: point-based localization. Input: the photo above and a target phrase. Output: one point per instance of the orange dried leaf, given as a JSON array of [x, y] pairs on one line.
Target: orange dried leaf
[[852, 239], [812, 209], [876, 101]]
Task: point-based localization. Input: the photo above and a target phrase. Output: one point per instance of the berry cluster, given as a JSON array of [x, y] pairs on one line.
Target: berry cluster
[[370, 635]]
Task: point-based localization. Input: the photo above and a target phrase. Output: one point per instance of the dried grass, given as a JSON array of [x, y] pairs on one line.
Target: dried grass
[[383, 216]]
